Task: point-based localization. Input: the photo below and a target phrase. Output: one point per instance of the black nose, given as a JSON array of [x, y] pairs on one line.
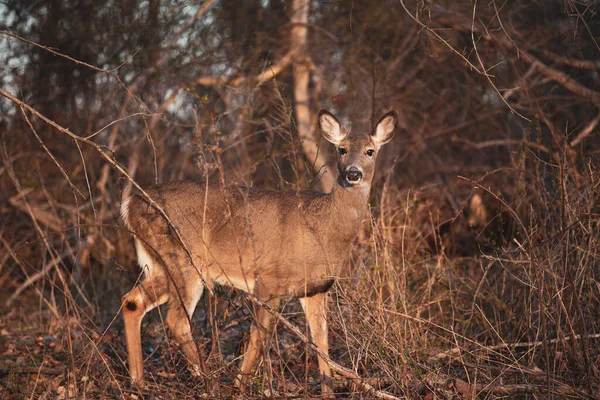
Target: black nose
[[353, 174]]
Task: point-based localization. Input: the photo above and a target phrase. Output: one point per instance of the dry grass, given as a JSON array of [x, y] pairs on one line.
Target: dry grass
[[502, 318], [432, 305]]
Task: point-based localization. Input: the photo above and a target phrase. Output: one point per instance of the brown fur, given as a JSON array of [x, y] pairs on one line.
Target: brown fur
[[269, 243]]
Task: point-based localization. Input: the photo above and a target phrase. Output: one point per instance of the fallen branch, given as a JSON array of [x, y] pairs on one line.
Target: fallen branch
[[455, 351], [31, 370], [473, 390]]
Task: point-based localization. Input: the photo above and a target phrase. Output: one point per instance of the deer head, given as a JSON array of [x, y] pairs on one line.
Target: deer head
[[357, 152]]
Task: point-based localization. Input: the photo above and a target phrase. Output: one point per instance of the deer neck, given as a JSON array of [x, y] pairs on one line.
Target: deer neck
[[350, 202]]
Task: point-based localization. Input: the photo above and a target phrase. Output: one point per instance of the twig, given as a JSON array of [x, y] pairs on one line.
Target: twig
[[343, 371], [501, 142], [581, 64], [31, 370], [108, 156], [36, 212], [509, 92], [568, 82], [13, 254], [585, 132], [269, 73], [119, 120], [87, 181], [474, 389], [438, 37], [60, 167], [457, 350], [460, 24], [487, 76], [35, 277], [56, 53], [137, 82]]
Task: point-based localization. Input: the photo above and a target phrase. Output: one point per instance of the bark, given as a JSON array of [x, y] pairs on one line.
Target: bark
[[306, 129]]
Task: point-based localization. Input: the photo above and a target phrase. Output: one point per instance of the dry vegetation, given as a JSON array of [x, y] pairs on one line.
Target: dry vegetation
[[478, 274]]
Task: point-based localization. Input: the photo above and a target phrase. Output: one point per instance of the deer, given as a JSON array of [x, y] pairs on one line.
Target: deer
[[271, 244]]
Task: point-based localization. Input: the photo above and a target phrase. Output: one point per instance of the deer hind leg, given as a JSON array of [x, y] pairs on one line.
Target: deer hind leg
[[147, 295], [262, 322], [316, 316], [181, 306]]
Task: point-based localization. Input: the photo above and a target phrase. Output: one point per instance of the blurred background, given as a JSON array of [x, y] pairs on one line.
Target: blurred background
[[477, 274]]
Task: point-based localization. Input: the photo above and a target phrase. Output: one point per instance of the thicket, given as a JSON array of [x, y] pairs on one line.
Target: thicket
[[478, 272]]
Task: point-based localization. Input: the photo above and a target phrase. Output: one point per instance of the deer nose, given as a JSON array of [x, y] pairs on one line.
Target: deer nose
[[353, 175]]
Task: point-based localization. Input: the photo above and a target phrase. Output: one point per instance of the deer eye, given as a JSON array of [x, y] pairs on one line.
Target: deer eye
[[342, 151], [370, 152]]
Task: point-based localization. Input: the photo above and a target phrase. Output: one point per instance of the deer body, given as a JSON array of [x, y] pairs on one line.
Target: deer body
[[268, 237], [268, 243]]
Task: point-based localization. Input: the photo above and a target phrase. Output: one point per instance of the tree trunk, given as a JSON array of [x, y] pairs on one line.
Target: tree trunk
[[301, 98]]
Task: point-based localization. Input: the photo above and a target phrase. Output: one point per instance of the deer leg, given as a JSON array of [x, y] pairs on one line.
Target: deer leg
[[316, 316], [135, 304], [262, 321], [181, 308]]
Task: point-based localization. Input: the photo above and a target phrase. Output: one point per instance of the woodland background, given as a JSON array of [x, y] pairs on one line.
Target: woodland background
[[478, 273]]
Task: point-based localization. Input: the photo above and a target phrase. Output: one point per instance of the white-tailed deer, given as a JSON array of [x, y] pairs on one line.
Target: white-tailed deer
[[269, 243]]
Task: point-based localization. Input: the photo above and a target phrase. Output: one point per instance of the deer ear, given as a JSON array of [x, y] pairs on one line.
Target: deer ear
[[384, 130], [476, 212], [330, 127]]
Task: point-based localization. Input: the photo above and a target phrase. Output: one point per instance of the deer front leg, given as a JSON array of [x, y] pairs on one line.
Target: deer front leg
[[178, 320], [262, 321], [316, 316], [135, 304]]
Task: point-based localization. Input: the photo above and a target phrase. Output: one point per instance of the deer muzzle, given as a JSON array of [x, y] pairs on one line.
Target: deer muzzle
[[354, 175]]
